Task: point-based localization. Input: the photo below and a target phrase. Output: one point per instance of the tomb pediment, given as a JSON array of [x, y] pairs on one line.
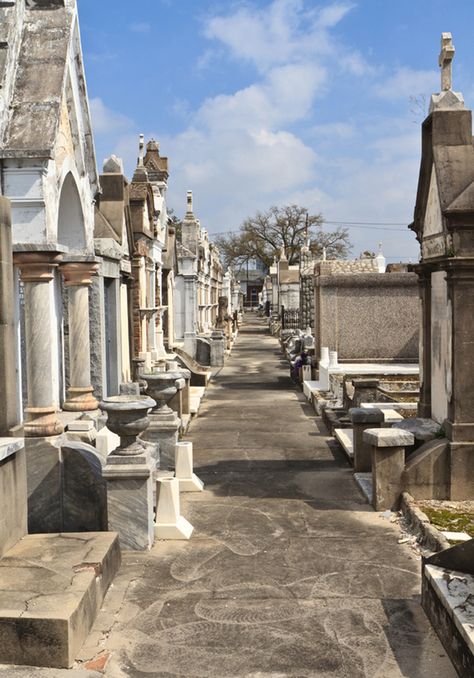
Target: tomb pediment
[[446, 180]]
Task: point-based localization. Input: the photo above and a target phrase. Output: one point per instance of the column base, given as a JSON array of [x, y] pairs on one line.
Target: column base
[[42, 422], [81, 400]]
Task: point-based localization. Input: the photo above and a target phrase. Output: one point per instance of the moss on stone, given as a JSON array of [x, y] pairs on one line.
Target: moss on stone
[[452, 520]]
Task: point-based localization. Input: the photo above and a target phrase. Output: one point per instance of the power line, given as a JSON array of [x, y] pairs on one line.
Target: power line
[[366, 223], [358, 225]]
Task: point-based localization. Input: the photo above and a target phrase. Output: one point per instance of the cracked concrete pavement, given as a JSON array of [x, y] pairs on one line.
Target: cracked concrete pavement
[[289, 571]]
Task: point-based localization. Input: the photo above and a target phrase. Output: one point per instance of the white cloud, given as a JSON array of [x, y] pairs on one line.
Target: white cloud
[[280, 33], [106, 121], [406, 82], [333, 14], [334, 130], [140, 27]]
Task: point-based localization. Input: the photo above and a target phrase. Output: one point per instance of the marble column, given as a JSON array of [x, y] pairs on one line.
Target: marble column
[[9, 412], [37, 274], [78, 279]]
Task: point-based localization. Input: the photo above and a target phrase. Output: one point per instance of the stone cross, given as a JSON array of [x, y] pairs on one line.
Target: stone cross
[[446, 61], [306, 232], [189, 200]]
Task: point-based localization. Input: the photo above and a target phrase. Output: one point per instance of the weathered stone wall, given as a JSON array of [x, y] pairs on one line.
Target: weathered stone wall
[[306, 301], [367, 316], [341, 266]]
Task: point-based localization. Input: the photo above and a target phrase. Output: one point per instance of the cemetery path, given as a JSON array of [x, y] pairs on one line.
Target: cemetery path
[[289, 571]]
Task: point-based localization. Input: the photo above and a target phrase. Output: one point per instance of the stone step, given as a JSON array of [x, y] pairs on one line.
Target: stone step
[[51, 590], [196, 394], [345, 436]]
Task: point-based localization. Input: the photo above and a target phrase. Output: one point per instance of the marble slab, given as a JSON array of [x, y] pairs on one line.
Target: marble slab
[[309, 387], [345, 436], [9, 446], [456, 536], [455, 590], [391, 406], [391, 416]]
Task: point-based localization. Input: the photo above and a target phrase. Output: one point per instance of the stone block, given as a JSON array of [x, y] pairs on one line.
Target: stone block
[[106, 441], [130, 499], [388, 463], [43, 470], [462, 471], [423, 429], [427, 471], [163, 432], [83, 489], [13, 493], [363, 419], [51, 590]]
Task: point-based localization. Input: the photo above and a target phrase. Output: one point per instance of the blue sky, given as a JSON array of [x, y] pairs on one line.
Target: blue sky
[[269, 102]]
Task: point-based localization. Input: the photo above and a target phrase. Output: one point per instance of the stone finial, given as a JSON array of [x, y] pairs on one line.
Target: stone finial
[[324, 254], [113, 165], [189, 205], [446, 61], [283, 254], [153, 145], [141, 150], [381, 261], [306, 233]]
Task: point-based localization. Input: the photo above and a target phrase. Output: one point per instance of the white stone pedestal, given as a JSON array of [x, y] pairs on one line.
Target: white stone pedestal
[[188, 481], [169, 523]]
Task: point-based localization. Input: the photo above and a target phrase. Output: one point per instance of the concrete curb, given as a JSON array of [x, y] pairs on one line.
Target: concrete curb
[[420, 524]]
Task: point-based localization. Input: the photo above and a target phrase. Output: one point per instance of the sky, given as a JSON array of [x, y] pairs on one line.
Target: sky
[[273, 102]]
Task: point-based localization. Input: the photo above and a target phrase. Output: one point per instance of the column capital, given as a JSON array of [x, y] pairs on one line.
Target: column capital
[[78, 273], [37, 266]]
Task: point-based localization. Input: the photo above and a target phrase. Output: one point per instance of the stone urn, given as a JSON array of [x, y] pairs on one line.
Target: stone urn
[[127, 416], [161, 386]]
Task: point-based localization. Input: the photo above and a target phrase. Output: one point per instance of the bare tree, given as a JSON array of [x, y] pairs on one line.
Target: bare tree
[[263, 236]]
